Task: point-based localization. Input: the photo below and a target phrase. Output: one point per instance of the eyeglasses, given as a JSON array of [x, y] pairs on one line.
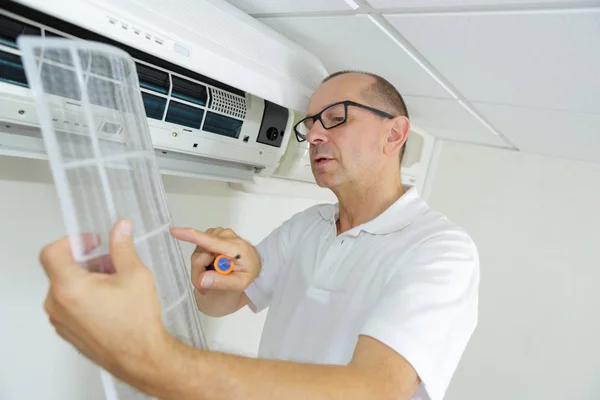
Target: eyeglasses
[[332, 116]]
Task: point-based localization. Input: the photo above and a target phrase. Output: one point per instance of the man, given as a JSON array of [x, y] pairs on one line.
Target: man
[[375, 297]]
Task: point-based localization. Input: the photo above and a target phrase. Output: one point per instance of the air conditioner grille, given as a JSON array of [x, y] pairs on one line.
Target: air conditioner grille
[[228, 103]]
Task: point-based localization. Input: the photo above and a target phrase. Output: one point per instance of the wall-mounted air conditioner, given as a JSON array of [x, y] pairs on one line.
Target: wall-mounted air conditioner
[[221, 90]]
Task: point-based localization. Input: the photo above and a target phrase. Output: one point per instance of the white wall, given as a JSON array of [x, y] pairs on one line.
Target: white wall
[[536, 221], [34, 362]]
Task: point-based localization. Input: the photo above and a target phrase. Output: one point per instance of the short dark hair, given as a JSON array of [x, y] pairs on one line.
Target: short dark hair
[[383, 93]]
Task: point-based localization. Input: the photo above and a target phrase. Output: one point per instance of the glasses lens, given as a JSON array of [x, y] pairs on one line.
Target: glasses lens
[[303, 127], [333, 116]]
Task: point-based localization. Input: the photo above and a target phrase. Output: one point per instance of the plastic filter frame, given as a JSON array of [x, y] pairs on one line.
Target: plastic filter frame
[[103, 163]]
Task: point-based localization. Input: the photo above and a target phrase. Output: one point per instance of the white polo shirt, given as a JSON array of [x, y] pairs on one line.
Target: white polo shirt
[[408, 278]]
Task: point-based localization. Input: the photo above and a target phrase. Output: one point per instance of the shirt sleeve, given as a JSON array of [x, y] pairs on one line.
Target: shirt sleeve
[[428, 309], [273, 251]]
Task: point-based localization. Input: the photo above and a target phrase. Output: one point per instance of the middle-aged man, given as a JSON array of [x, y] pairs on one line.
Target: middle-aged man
[[374, 297]]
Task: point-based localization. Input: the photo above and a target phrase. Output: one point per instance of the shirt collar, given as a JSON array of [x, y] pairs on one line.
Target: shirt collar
[[400, 214]]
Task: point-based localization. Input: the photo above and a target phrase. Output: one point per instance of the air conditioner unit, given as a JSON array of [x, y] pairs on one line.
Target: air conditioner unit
[[221, 90]]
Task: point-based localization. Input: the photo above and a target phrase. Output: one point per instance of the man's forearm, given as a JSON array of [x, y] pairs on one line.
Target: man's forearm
[[187, 373]]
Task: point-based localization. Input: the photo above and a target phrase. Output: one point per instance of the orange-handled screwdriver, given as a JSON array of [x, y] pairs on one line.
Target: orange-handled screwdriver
[[223, 264]]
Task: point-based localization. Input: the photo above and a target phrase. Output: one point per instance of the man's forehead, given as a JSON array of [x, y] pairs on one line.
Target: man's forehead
[[339, 88]]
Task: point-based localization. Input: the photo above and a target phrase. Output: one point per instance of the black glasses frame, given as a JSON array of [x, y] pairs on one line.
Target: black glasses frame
[[301, 138]]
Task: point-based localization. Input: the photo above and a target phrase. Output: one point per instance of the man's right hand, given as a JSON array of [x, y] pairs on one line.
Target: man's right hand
[[217, 294]]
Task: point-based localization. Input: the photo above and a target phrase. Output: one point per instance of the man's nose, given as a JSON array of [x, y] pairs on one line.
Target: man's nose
[[317, 134]]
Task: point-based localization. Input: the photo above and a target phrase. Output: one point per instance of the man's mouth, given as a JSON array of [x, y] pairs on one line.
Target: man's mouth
[[320, 160]]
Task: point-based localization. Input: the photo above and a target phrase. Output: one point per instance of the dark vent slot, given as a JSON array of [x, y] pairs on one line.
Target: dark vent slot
[[222, 125], [11, 69], [189, 91], [185, 115], [153, 79], [52, 34], [10, 29], [154, 105]]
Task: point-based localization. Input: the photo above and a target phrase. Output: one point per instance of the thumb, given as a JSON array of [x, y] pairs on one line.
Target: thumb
[[214, 280], [122, 249]]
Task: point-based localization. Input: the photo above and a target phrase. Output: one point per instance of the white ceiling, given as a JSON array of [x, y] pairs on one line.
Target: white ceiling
[[564, 134], [277, 6], [536, 60], [352, 39], [449, 120], [525, 71], [422, 4]]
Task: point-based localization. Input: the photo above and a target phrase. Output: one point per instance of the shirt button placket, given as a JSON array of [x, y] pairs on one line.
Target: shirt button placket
[[322, 270]]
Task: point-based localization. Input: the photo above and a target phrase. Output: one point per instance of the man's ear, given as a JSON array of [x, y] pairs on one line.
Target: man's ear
[[398, 133]]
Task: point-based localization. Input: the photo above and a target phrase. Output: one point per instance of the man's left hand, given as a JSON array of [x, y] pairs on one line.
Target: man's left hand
[[114, 319]]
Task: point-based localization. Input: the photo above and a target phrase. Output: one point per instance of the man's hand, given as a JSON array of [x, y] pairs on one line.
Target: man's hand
[[217, 241], [114, 319]]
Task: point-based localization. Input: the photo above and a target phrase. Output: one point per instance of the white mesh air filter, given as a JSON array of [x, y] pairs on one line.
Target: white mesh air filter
[[228, 103], [100, 150]]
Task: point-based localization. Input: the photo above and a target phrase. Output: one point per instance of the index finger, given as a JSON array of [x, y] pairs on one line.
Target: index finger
[[206, 241]]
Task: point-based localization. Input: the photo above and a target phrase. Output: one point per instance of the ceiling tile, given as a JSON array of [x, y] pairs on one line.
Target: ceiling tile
[[422, 4], [281, 6], [354, 42], [449, 120], [540, 60], [555, 133]]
